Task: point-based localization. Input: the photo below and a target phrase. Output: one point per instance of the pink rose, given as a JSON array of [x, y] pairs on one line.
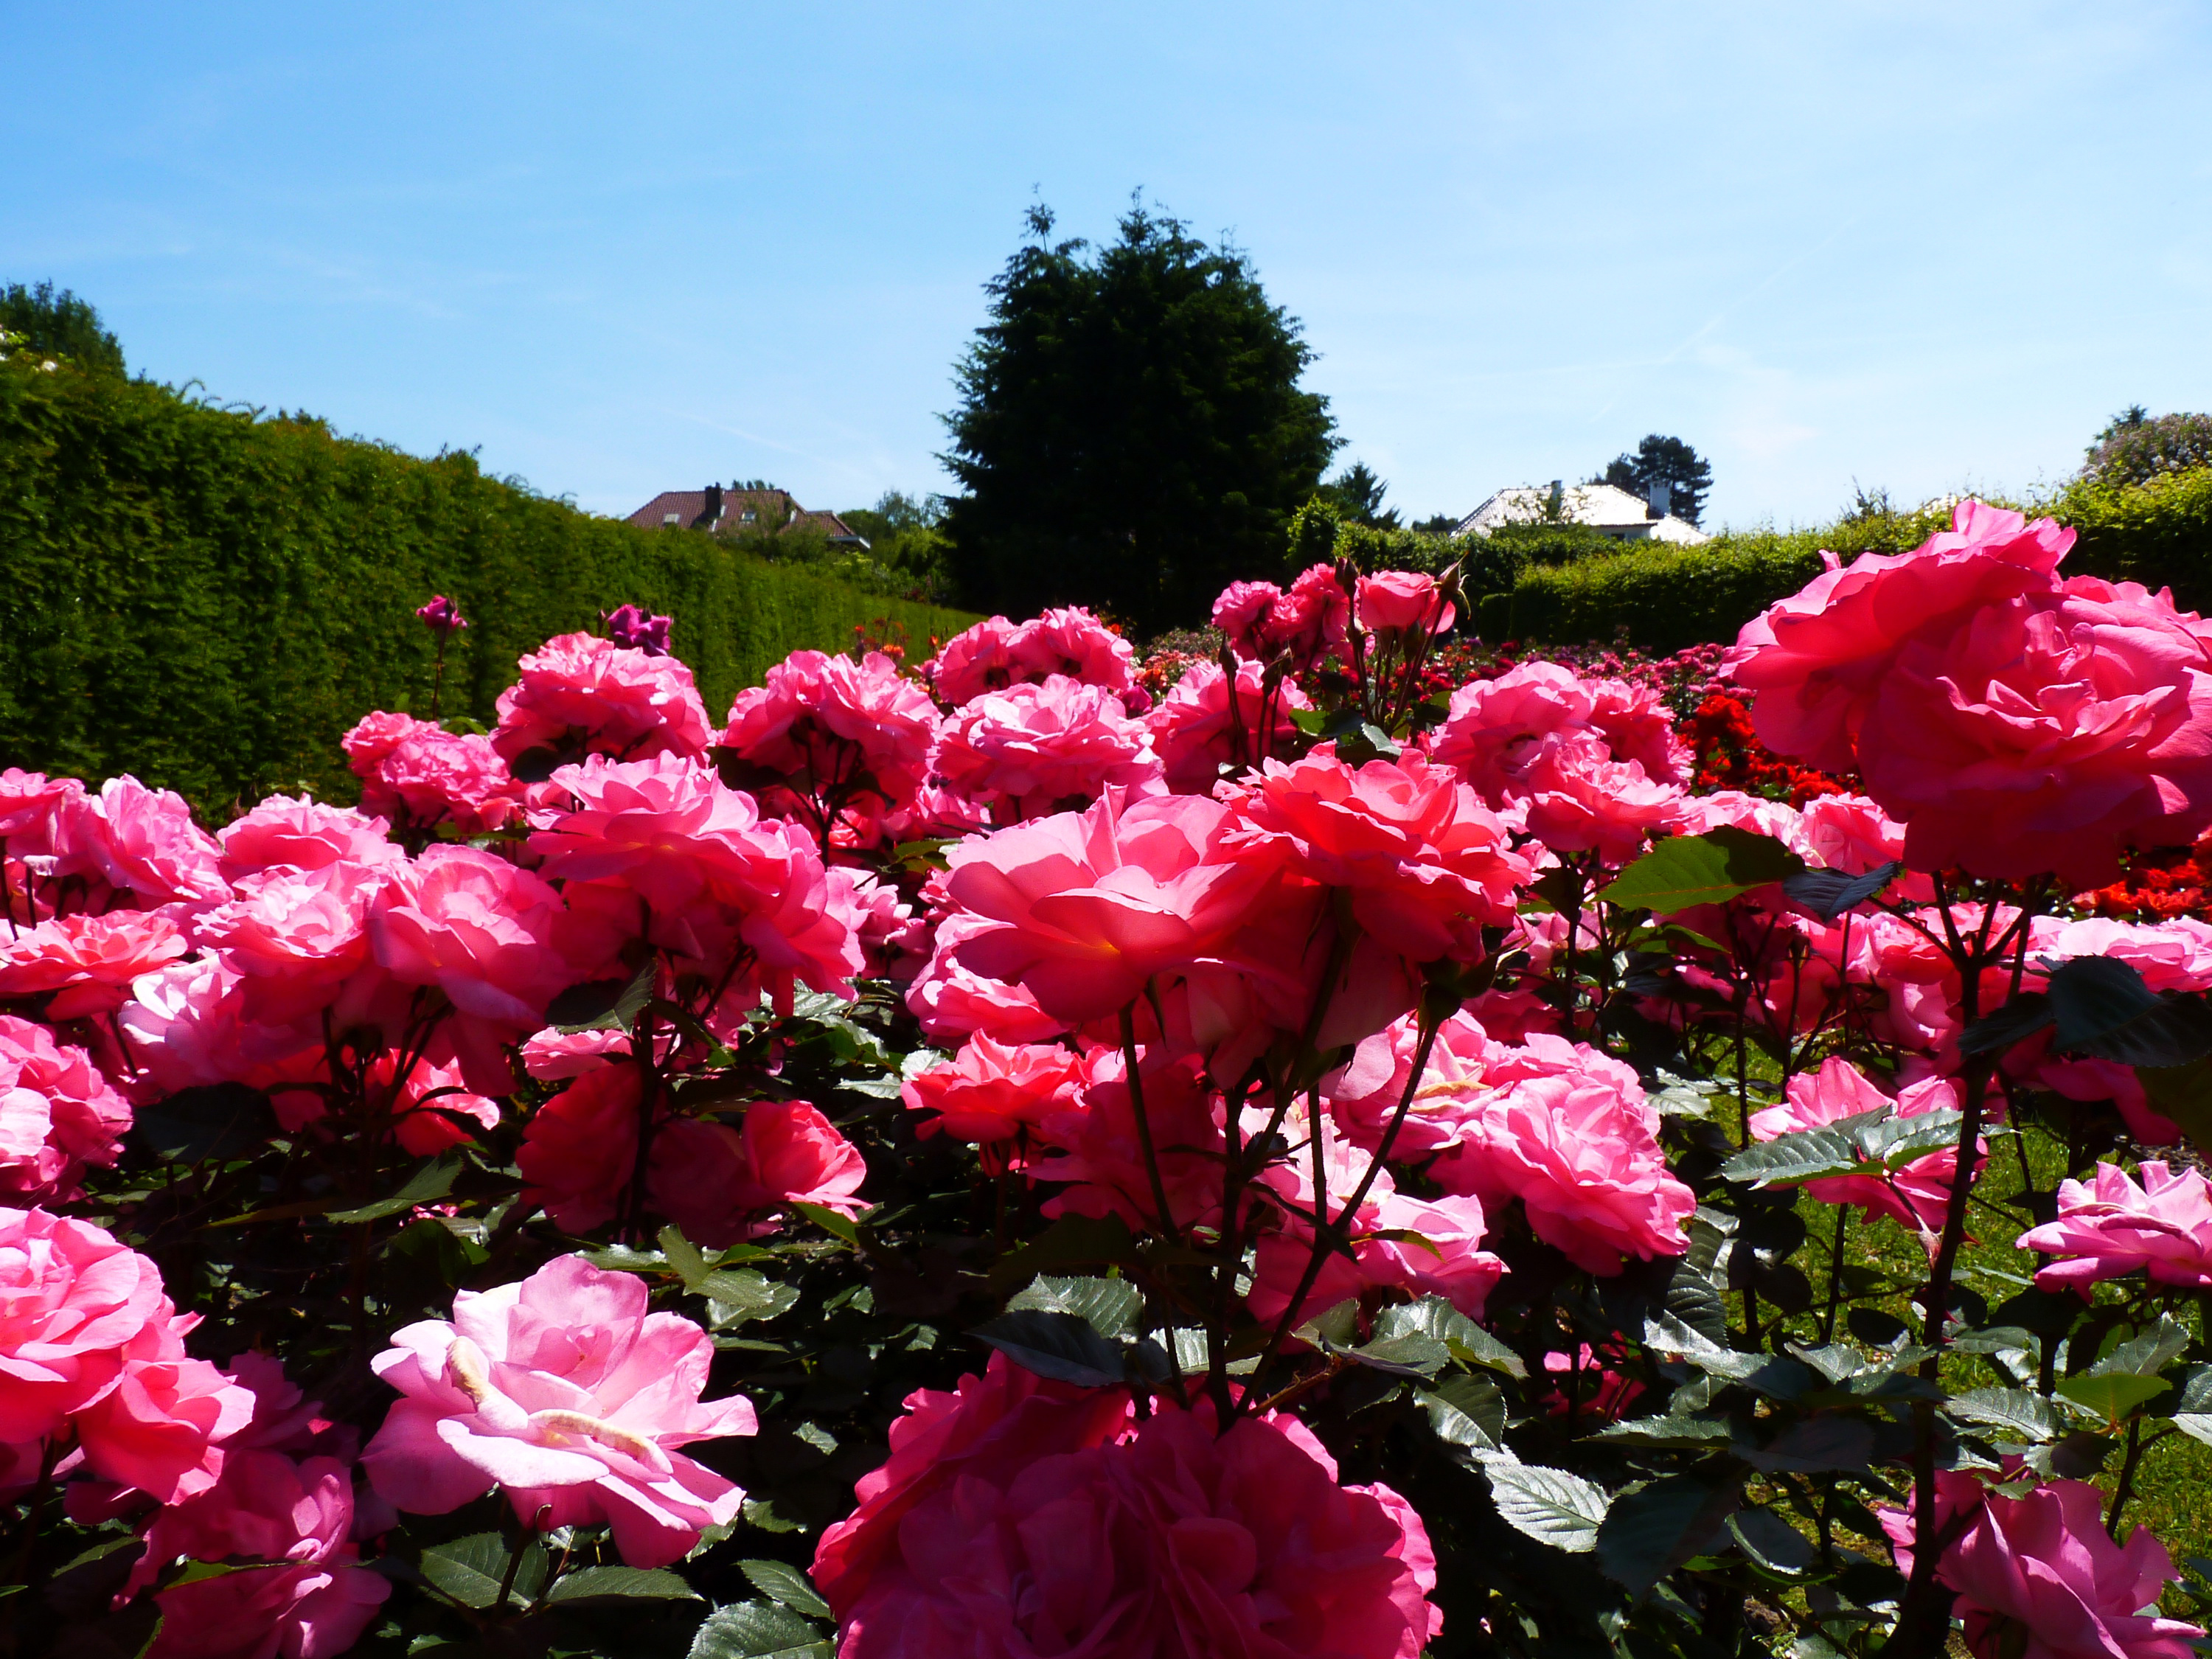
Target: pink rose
[[2038, 1577], [89, 1343], [1098, 1152], [720, 1185], [1427, 865], [140, 842], [1037, 746], [953, 1001], [973, 662], [1243, 613], [1363, 1095], [416, 773], [302, 833], [1072, 642], [1193, 729], [825, 720], [566, 1392], [2157, 1221], [579, 1148], [308, 1610], [1816, 659], [57, 1113], [994, 1091], [29, 804], [1916, 1196], [1315, 617], [1024, 1517], [1082, 908], [296, 936], [582, 694], [88, 962], [1403, 602]]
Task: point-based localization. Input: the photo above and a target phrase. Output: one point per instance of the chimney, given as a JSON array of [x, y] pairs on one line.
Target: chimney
[[1659, 493], [1558, 496], [713, 511]]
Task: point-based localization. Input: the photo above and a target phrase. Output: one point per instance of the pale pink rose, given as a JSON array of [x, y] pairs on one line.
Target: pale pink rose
[[564, 1391], [1245, 613], [992, 1091], [140, 842], [89, 1343], [1568, 1132], [1754, 814], [1192, 732], [2172, 955], [2039, 1577], [1637, 725], [2046, 732], [552, 1056], [1401, 602], [1036, 746], [825, 720], [1577, 798], [416, 773], [1427, 865], [1097, 1151], [1082, 908], [302, 833], [579, 694], [1817, 660], [88, 962], [953, 1001], [1072, 642], [57, 1113], [1363, 1095], [1915, 1196], [893, 940], [721, 1185], [30, 803], [2157, 1221], [715, 877], [296, 936], [1452, 1264], [1021, 1517], [973, 662], [1491, 725]]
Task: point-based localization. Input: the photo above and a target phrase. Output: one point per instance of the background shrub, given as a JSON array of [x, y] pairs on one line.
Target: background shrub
[[209, 599]]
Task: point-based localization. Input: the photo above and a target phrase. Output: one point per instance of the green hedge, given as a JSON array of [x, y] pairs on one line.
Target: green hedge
[[209, 599], [2159, 534]]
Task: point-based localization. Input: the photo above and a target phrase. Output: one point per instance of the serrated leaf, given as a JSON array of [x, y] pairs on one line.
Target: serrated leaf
[[1803, 1155], [603, 1005], [1771, 1541], [758, 1630], [787, 1586], [1433, 1316], [1467, 1412], [2104, 1009], [2027, 1416], [1110, 1306], [2112, 1395], [624, 1584], [432, 1181], [1335, 1327], [1055, 1345], [2148, 1354], [1687, 870], [471, 1569], [1411, 1355], [1652, 1529], [836, 1223], [1666, 1430], [1549, 1505], [1828, 893]]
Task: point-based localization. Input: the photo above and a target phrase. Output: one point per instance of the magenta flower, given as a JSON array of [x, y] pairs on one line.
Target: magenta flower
[[638, 629], [441, 617], [2158, 1219]]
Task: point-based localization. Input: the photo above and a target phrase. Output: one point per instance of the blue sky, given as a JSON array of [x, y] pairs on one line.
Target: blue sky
[[630, 247]]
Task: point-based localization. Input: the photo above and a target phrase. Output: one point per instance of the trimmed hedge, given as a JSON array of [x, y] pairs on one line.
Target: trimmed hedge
[[1666, 597], [208, 598]]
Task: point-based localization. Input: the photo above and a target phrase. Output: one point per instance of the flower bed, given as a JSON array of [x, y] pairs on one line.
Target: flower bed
[[1300, 1148]]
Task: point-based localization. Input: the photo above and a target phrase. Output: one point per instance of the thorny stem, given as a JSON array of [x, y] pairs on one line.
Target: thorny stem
[[1174, 1234], [1835, 1283], [648, 1080]]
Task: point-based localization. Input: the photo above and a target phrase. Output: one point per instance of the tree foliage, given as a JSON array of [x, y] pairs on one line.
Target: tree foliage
[[1687, 474], [1131, 432], [59, 324], [1357, 495], [2137, 447]]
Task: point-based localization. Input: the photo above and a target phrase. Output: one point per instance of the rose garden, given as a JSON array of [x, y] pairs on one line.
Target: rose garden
[[1357, 1145]]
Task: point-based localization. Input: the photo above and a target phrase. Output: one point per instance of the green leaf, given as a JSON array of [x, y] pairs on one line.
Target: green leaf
[[1828, 893], [218, 1121], [836, 1223], [2113, 1395], [1771, 1542], [1433, 1316], [1804, 1155], [1402, 1355], [603, 1005], [734, 1297], [624, 1584], [432, 1179], [787, 1586], [1109, 1306], [682, 1255], [1686, 870], [1549, 1505], [758, 1630], [2028, 1416], [1073, 1241], [2148, 1354], [1337, 1327], [471, 1569], [1467, 1412], [1667, 1429], [1650, 1530], [1055, 1345]]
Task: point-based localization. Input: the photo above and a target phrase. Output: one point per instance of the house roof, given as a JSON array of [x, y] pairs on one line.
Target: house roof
[[772, 508], [1601, 506]]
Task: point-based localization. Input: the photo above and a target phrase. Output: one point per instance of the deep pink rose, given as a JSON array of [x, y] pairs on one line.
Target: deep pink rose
[[824, 720], [2039, 1577], [1193, 732], [565, 1391], [972, 662], [1036, 746], [1428, 866], [953, 1001], [1081, 908], [992, 1091], [579, 1148], [1363, 1095], [296, 936], [417, 774], [1020, 1517], [29, 804], [1097, 1151], [1313, 619], [2157, 1221], [1915, 1196], [585, 694], [89, 1343], [1568, 1132], [140, 842], [722, 1185], [302, 833], [1072, 642], [1404, 602], [1816, 659], [1244, 613], [57, 1113], [88, 962]]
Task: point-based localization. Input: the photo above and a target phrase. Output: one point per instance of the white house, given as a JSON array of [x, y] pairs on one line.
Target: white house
[[1606, 509]]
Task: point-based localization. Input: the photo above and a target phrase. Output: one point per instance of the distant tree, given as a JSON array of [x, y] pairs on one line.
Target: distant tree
[[1440, 524], [59, 324], [2137, 447], [905, 534], [1670, 461], [1357, 495], [1131, 431]]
